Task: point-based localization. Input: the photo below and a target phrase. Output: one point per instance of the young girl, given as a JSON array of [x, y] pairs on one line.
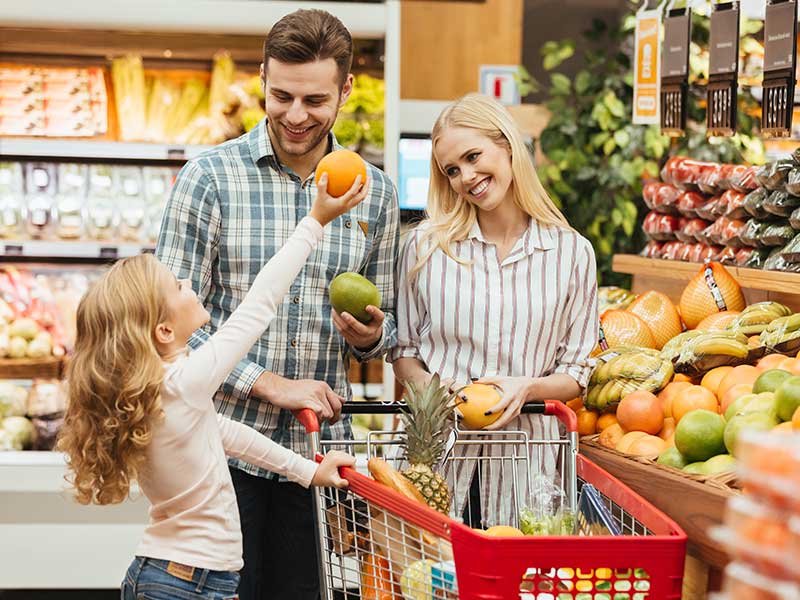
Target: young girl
[[494, 285], [140, 408]]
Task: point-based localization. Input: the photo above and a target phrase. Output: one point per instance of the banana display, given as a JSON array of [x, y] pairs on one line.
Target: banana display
[[711, 349], [755, 318], [625, 369], [782, 335], [672, 349]]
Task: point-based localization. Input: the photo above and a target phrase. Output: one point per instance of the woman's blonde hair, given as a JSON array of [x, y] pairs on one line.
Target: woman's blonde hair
[[114, 379], [450, 217]]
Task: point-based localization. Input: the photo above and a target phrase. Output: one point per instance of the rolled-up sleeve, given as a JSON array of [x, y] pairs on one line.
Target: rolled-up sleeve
[[410, 308], [573, 355]]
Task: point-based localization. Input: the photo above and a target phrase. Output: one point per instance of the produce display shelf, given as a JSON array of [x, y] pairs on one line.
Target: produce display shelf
[[57, 249], [695, 506], [767, 281], [78, 149]]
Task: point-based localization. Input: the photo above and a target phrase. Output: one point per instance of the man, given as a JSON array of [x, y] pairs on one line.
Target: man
[[230, 210]]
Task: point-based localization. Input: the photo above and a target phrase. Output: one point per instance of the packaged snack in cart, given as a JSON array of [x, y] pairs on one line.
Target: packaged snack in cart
[[652, 249], [546, 512], [781, 203], [427, 579], [689, 202], [754, 203], [743, 179], [734, 205]]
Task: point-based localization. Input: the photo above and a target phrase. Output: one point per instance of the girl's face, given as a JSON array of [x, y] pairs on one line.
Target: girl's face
[[479, 170], [186, 313]]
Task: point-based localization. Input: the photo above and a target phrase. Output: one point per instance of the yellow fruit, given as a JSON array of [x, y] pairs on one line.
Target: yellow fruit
[[697, 301], [622, 328], [611, 436], [503, 531], [473, 402], [352, 293], [649, 445], [718, 321], [342, 167], [624, 445], [659, 314]]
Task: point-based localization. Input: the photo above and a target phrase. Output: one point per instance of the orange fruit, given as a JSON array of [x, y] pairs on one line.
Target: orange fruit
[[605, 421], [623, 328], [784, 428], [796, 419], [718, 321], [587, 422], [640, 411], [649, 445], [627, 440], [770, 361], [697, 302], [691, 399], [740, 389], [714, 377], [740, 374], [668, 430], [666, 395], [790, 364], [658, 312], [575, 404], [753, 341], [611, 436], [680, 377], [342, 166]]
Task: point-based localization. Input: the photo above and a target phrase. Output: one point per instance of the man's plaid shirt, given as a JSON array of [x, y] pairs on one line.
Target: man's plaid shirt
[[230, 210]]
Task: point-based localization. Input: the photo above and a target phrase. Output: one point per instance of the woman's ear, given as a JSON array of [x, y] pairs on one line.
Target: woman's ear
[[164, 334]]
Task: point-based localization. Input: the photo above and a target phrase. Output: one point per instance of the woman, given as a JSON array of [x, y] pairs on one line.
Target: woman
[[494, 286]]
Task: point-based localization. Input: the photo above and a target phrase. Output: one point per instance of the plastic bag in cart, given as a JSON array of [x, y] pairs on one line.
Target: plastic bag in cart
[[546, 512], [593, 516]]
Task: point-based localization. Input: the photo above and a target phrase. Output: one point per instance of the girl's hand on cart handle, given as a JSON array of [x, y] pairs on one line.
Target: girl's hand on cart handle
[[515, 393], [327, 474]]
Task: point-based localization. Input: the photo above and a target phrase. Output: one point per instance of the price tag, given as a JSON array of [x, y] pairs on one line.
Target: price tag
[[14, 250], [176, 152], [109, 252]]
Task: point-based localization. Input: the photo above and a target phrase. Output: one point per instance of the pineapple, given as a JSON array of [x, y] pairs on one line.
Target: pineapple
[[428, 424]]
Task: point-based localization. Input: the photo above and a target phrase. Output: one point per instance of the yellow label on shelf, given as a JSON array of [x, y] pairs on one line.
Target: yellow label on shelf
[[646, 76]]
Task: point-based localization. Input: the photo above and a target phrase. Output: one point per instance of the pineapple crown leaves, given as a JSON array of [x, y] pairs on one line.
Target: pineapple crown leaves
[[429, 420]]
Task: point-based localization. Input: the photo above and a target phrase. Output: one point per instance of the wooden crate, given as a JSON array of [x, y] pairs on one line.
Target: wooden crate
[[31, 368]]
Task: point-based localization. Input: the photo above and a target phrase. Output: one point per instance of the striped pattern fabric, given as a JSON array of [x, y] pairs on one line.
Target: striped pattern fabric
[[230, 210], [533, 314]]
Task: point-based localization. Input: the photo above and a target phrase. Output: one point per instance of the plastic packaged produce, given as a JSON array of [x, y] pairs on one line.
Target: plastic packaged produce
[[742, 256], [652, 249], [100, 204], [734, 205], [690, 228], [793, 181], [791, 252], [781, 203], [794, 218], [689, 202], [40, 184], [624, 369], [753, 231], [726, 173], [72, 185], [612, 297], [773, 176], [132, 211], [743, 179], [712, 349], [661, 197], [754, 203], [709, 181], [777, 234], [730, 232], [660, 227], [670, 250], [775, 260], [727, 256], [758, 257], [685, 253], [708, 211]]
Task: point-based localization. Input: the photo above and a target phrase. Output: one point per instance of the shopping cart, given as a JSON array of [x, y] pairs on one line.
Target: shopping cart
[[378, 545]]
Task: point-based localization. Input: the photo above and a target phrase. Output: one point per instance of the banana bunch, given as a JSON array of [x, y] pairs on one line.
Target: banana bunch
[[755, 318], [613, 297], [625, 369], [711, 349], [782, 334], [672, 349]]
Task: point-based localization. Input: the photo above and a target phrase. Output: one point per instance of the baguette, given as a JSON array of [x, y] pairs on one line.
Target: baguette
[[386, 474]]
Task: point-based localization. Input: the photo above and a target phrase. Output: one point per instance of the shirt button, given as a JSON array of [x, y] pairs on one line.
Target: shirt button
[[296, 299], [294, 343], [348, 224]]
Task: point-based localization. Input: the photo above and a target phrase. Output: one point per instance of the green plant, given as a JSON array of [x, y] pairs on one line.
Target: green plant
[[597, 159]]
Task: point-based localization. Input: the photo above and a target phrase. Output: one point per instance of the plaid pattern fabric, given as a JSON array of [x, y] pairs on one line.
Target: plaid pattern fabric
[[230, 210]]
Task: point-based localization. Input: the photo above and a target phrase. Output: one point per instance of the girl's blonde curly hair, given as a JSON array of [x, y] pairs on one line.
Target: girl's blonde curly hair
[[114, 379]]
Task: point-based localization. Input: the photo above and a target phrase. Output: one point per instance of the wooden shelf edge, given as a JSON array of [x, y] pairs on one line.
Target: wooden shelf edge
[[769, 281]]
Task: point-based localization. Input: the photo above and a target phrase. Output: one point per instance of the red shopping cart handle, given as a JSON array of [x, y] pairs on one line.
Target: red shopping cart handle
[[552, 408]]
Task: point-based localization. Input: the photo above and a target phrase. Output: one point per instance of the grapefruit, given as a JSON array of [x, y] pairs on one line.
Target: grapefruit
[[698, 302], [699, 435], [648, 445], [658, 312], [623, 328], [770, 380], [473, 402], [695, 468], [693, 398], [790, 364], [624, 445], [718, 321], [770, 361], [611, 436], [640, 411], [668, 430], [738, 405], [352, 293], [722, 463], [746, 422], [342, 167]]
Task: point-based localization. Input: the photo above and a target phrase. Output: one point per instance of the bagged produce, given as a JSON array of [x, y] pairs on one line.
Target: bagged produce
[[661, 197], [670, 250], [613, 297], [775, 260], [623, 370], [793, 181], [782, 334], [754, 203], [622, 328], [712, 289], [690, 230], [653, 249], [708, 211], [672, 348], [709, 181], [742, 256], [710, 350], [689, 202], [781, 203], [727, 256], [725, 176], [777, 234], [755, 318], [753, 232], [791, 252], [685, 252], [743, 179], [773, 176], [757, 258], [660, 227], [660, 314], [734, 205]]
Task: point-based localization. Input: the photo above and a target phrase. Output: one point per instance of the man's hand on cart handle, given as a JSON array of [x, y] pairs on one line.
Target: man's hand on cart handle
[[327, 474]]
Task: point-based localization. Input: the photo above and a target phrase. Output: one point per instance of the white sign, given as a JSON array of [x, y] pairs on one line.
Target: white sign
[[498, 82]]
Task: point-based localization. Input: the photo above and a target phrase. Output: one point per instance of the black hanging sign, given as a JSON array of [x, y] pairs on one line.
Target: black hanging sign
[[723, 70], [675, 70], [780, 60]]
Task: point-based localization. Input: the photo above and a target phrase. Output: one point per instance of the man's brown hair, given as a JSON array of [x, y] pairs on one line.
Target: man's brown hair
[[309, 35]]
